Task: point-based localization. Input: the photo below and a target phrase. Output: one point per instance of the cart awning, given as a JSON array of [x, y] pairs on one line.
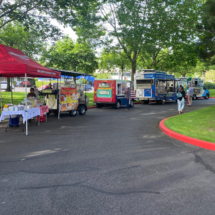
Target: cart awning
[[14, 63], [69, 73]]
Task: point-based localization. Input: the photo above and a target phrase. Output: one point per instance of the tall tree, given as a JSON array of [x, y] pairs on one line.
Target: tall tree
[[37, 12], [206, 28], [136, 25], [29, 40], [181, 61], [113, 60], [69, 55]]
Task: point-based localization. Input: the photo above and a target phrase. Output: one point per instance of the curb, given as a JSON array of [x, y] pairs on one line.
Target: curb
[[193, 141], [91, 107]]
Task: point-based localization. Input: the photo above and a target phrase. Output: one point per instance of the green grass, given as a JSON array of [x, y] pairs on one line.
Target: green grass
[[212, 93], [198, 124], [41, 83], [90, 95], [17, 97], [20, 96]]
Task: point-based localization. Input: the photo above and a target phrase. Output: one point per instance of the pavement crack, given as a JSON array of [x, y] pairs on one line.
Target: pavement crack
[[119, 193], [53, 186], [198, 159], [126, 168]]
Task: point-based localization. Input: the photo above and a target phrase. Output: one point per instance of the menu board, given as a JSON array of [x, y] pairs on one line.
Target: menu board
[[68, 99]]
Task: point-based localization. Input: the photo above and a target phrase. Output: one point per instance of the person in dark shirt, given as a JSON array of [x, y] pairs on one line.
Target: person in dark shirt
[[181, 98], [31, 94]]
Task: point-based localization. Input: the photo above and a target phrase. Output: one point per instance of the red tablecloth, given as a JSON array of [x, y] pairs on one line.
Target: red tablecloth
[[43, 109]]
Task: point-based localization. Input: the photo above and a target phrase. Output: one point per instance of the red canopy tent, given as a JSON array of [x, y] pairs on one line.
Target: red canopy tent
[[14, 63]]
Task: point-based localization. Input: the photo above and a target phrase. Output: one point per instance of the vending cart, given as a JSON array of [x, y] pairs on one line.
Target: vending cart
[[66, 96], [197, 85], [109, 92], [153, 85]]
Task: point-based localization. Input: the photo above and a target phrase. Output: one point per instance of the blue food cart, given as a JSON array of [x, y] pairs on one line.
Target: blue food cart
[[153, 85]]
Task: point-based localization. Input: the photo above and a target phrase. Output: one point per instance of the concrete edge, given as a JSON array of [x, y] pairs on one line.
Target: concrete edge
[[91, 107], [186, 139]]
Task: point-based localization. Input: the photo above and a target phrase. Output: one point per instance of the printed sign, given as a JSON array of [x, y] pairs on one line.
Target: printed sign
[[68, 99]]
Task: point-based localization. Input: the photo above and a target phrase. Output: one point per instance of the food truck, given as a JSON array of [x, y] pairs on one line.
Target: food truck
[[153, 85], [66, 96], [111, 92], [197, 85]]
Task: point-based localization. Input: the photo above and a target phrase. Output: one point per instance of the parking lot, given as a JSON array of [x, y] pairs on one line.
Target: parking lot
[[106, 162]]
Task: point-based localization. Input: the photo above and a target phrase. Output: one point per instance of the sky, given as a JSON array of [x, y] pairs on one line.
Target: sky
[[65, 30]]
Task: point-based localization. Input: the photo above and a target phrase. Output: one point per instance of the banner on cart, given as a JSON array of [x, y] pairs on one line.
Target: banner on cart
[[68, 99]]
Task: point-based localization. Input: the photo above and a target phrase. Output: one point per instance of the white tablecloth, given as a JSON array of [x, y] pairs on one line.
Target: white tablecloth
[[31, 113]]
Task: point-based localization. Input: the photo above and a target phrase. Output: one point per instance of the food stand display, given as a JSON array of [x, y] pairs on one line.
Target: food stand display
[[14, 63], [197, 85], [66, 97]]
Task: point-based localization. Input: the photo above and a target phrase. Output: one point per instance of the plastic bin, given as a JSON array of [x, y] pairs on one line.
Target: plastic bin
[[42, 119], [14, 121]]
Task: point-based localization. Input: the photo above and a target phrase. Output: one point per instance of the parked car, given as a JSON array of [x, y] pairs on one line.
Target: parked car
[[43, 87], [4, 85], [86, 87]]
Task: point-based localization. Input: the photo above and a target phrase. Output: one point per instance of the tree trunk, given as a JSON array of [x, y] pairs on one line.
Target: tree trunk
[[122, 68], [134, 65], [154, 61], [75, 80], [8, 85]]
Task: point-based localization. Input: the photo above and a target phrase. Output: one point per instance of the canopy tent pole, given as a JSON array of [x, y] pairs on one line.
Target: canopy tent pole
[[26, 104], [59, 99], [1, 94], [11, 90]]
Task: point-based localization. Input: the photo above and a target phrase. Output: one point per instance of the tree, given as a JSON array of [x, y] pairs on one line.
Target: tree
[[182, 61], [206, 45], [69, 55], [113, 60], [37, 12], [135, 25], [30, 41]]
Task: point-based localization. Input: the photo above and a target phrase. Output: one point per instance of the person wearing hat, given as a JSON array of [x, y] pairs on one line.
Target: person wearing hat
[[127, 96]]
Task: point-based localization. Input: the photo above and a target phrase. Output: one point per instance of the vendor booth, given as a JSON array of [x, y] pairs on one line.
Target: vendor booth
[[14, 63], [66, 96]]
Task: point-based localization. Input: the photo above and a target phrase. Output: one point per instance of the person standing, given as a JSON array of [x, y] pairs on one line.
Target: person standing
[[127, 97], [190, 95], [181, 98]]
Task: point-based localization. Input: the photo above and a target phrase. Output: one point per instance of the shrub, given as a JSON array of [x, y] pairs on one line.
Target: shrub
[[209, 85]]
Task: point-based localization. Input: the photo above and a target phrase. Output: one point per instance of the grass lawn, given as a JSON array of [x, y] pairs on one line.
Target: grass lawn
[[90, 95], [212, 93], [198, 124], [19, 96]]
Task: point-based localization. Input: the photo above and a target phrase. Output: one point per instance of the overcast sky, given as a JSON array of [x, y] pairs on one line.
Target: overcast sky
[[66, 31]]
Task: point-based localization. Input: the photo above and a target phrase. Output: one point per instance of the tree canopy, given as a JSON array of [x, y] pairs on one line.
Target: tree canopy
[[206, 44], [135, 26], [69, 55]]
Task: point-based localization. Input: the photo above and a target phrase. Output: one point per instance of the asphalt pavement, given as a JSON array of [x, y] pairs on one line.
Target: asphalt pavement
[[106, 162]]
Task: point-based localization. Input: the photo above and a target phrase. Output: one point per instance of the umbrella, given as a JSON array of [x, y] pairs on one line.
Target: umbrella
[[28, 83]]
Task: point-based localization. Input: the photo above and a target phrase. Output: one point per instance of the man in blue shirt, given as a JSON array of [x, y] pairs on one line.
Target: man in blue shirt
[[190, 95]]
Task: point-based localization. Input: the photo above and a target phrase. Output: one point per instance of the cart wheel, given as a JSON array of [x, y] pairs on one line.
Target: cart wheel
[[73, 113], [117, 105], [82, 110], [207, 96], [132, 103]]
